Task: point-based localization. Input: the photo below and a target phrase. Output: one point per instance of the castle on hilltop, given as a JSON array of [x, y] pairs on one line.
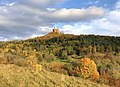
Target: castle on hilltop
[[56, 30]]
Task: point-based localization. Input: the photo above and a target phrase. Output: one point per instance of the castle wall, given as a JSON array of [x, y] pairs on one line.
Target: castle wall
[[56, 30]]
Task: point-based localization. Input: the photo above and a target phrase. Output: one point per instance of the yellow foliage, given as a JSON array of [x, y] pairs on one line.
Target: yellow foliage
[[87, 69], [32, 63], [95, 75], [38, 67]]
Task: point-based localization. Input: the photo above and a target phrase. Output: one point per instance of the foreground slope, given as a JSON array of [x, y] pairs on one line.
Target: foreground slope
[[14, 76]]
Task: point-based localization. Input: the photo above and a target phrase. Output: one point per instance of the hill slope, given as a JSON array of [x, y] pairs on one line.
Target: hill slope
[[65, 49], [51, 35], [14, 76]]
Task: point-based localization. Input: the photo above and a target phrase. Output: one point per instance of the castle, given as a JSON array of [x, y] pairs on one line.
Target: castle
[[56, 30]]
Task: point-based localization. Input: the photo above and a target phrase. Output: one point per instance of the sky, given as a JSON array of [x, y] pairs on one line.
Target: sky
[[23, 19]]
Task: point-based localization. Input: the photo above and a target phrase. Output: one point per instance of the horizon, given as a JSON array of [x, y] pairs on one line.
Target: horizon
[[23, 19], [53, 37]]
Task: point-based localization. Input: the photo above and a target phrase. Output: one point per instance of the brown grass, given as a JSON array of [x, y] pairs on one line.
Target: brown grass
[[15, 76]]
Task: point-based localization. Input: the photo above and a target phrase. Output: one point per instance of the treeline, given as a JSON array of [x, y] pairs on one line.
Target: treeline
[[79, 45], [63, 46]]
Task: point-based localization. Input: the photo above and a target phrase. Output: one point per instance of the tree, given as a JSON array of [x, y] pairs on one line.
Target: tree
[[49, 57], [39, 56], [94, 49], [86, 68], [64, 55], [90, 49]]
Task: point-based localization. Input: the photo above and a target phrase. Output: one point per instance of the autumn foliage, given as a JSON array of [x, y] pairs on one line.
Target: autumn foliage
[[87, 69]]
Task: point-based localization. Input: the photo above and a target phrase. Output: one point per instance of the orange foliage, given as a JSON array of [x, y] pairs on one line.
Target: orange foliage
[[87, 69]]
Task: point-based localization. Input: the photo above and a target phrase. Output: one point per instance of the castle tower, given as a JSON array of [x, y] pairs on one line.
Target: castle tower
[[56, 30]]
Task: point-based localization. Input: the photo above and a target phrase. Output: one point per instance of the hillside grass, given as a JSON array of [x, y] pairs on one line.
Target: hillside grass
[[15, 76]]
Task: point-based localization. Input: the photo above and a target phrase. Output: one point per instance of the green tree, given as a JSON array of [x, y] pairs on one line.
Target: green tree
[[64, 55]]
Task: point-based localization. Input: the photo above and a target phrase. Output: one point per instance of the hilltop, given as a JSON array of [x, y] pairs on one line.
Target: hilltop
[[55, 33]]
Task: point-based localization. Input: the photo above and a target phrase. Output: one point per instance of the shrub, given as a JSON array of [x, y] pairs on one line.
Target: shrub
[[69, 69], [20, 61], [40, 57], [31, 63], [69, 59], [3, 60], [64, 55], [10, 57], [49, 57], [56, 67]]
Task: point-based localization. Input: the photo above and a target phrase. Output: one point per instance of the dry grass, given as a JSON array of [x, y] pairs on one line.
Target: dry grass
[[14, 76]]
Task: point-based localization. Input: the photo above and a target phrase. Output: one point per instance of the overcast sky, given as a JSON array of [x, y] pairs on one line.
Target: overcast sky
[[22, 19]]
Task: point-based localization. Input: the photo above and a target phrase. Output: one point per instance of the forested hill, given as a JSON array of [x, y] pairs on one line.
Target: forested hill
[[63, 53], [86, 43], [79, 44]]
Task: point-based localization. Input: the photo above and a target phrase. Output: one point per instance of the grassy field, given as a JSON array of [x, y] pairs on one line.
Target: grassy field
[[15, 76]]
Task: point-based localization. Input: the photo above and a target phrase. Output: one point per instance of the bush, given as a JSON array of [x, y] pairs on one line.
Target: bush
[[19, 61], [69, 69], [10, 57], [56, 67], [3, 60], [69, 59], [64, 55], [40, 57], [49, 57]]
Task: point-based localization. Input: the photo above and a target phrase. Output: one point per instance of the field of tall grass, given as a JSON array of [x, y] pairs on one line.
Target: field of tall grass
[[15, 76]]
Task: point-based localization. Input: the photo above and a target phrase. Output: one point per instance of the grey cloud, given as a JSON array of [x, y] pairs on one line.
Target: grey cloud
[[76, 15], [24, 20]]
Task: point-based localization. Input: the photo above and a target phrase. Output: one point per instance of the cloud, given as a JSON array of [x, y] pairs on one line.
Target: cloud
[[97, 27], [40, 3], [107, 25], [3, 39], [75, 15], [31, 18], [26, 19], [117, 6]]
